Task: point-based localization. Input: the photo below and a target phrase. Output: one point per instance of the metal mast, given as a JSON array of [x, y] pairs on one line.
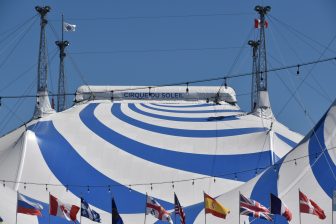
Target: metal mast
[[262, 60], [61, 98], [42, 102], [254, 93], [42, 71]]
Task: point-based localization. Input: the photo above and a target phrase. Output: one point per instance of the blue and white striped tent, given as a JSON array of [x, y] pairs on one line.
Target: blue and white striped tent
[[128, 143]]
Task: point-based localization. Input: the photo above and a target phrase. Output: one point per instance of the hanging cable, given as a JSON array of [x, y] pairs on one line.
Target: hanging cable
[[190, 82], [230, 174]]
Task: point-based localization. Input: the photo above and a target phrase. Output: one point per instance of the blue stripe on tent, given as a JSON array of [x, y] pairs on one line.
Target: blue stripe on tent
[[189, 111], [266, 185], [286, 140], [184, 119], [116, 111], [184, 106], [324, 168], [197, 163], [71, 169]]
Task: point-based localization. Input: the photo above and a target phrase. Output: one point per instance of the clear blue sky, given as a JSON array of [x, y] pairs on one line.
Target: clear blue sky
[[158, 42]]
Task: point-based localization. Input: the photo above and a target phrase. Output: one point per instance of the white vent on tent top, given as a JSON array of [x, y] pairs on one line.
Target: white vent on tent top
[[171, 93]]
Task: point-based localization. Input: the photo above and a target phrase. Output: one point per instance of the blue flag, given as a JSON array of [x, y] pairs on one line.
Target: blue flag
[[89, 213], [116, 219]]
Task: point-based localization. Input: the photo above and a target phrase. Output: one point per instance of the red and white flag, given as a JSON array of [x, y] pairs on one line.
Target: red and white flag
[[153, 207], [309, 206], [58, 208], [257, 23]]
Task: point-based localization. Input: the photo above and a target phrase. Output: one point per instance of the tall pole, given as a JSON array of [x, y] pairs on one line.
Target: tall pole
[[254, 92], [17, 198], [146, 208], [42, 101], [239, 209], [43, 55], [262, 60], [299, 208], [61, 98]]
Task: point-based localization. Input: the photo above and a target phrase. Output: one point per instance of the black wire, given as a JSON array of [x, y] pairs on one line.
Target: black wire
[[16, 45], [190, 82], [152, 50], [296, 31], [295, 160], [301, 83], [155, 17], [16, 29]]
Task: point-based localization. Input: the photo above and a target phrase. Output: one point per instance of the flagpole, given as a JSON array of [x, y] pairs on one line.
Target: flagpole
[[332, 207], [299, 208], [49, 209], [146, 208], [80, 217], [17, 197], [174, 208], [239, 209], [62, 26], [204, 207]]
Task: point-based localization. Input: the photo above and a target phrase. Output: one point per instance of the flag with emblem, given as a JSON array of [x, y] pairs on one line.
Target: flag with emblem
[[310, 207], [214, 207], [179, 210], [63, 210], [67, 27], [89, 213], [257, 24], [154, 208], [253, 208]]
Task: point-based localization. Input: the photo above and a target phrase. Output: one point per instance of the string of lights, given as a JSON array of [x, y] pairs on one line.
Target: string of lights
[[187, 83], [172, 182]]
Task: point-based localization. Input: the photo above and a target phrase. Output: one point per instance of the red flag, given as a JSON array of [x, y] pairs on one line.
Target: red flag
[[58, 208], [309, 206], [257, 24]]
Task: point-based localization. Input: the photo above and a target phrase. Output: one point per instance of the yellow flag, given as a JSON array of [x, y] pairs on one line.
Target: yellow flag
[[214, 207]]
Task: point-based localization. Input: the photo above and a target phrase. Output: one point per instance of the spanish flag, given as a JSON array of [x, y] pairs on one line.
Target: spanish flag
[[214, 207]]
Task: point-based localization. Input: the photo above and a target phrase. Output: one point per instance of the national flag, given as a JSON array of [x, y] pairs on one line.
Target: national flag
[[89, 213], [179, 210], [253, 208], [153, 207], [69, 27], [309, 206], [257, 23], [58, 208], [280, 208], [28, 207], [214, 207], [116, 218]]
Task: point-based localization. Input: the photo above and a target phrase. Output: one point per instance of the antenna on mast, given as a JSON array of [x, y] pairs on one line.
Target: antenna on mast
[[42, 106], [61, 98], [254, 93]]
